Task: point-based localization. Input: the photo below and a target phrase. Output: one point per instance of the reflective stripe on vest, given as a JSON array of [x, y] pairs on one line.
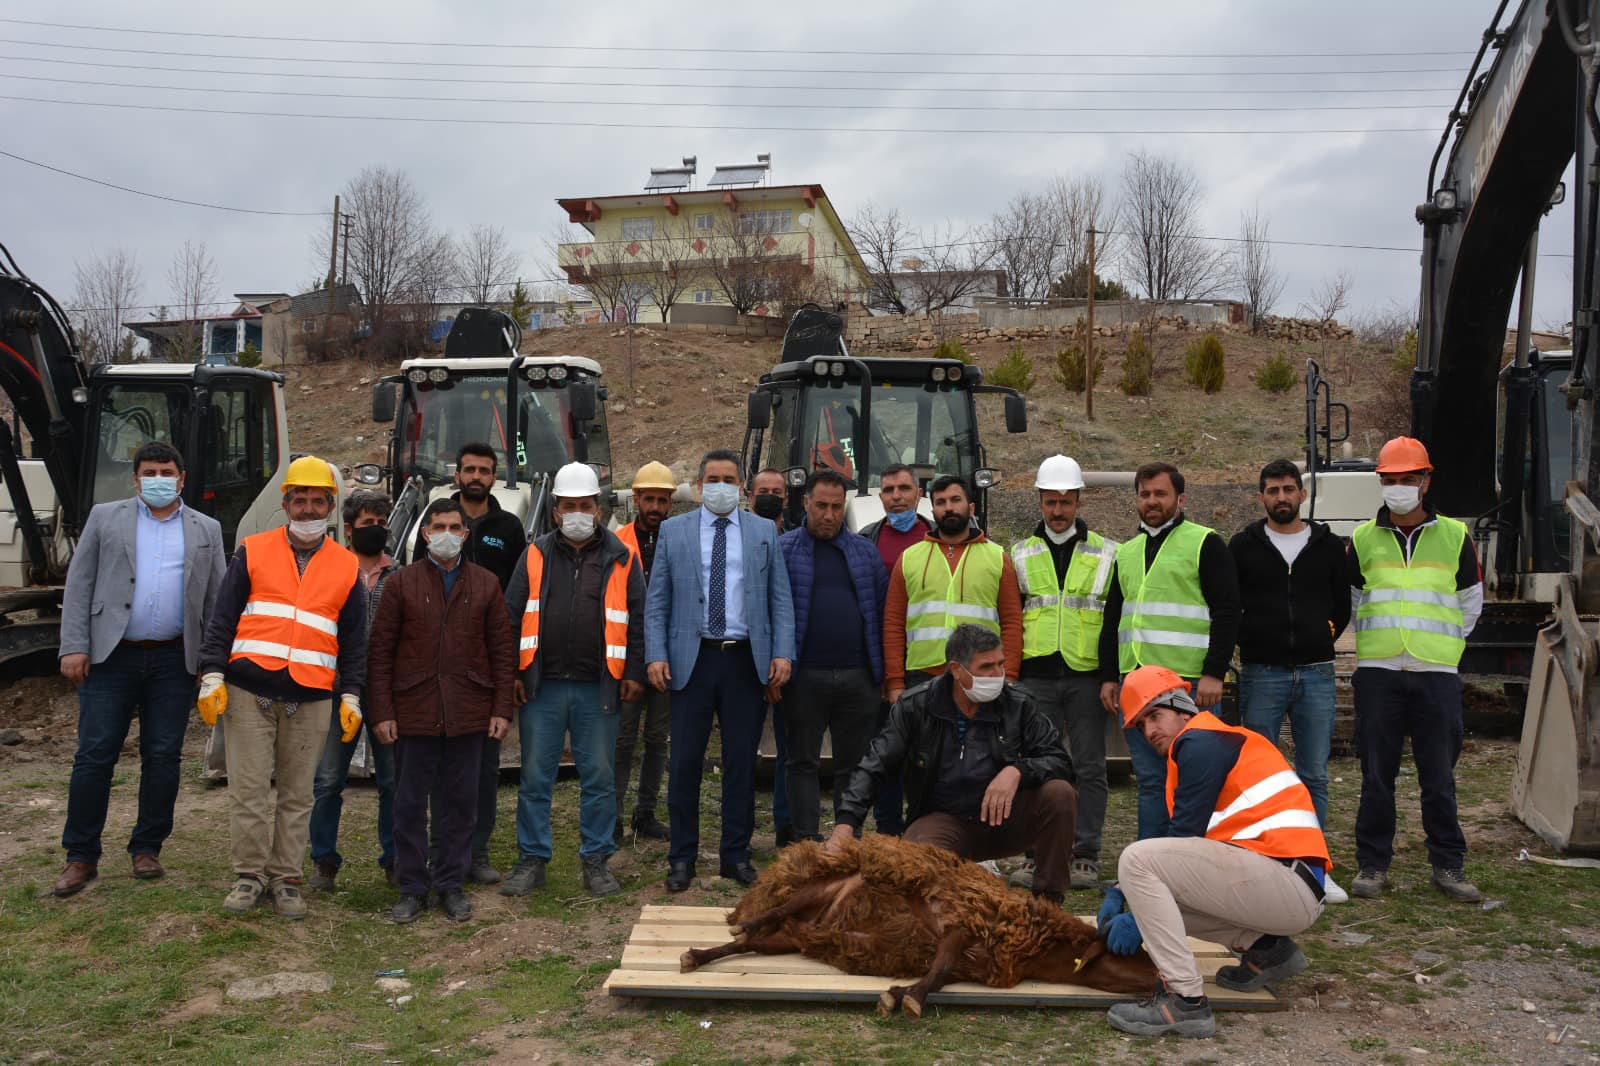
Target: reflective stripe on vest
[[291, 621], [1263, 805], [938, 600], [1165, 620], [1410, 606], [616, 614], [1064, 618]]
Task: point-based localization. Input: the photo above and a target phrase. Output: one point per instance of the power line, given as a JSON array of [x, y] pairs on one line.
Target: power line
[[156, 195], [743, 128], [1449, 90], [699, 50], [348, 61], [721, 105]]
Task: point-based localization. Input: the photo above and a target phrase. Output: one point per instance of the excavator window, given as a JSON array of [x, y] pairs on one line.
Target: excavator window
[[130, 415]]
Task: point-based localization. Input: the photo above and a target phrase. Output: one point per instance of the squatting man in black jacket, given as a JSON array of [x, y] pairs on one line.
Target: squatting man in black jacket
[[986, 774]]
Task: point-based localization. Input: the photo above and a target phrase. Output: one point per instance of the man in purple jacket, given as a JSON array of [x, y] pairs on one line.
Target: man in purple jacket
[[838, 583]]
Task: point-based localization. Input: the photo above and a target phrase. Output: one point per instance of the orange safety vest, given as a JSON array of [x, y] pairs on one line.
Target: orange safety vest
[[292, 619], [630, 540], [1263, 806], [616, 608]]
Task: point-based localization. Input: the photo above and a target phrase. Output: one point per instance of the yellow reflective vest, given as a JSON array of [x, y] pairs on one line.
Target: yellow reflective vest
[[1064, 617]]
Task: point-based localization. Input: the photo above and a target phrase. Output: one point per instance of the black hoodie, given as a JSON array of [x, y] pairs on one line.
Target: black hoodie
[[1291, 616]]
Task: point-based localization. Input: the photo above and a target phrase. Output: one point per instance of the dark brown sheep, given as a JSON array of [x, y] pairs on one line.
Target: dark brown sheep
[[891, 908]]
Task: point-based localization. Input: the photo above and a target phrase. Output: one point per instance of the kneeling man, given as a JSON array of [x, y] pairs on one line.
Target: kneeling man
[[986, 774], [1243, 863]]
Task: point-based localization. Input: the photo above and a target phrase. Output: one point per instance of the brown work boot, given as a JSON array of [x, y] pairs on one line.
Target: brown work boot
[[74, 878], [324, 879], [147, 867]]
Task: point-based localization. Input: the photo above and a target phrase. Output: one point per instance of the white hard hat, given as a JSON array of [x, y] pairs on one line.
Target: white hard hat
[[1059, 474], [576, 479]]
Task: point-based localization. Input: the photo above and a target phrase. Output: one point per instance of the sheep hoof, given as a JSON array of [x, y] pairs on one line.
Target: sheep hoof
[[889, 1001], [912, 1007], [687, 963]]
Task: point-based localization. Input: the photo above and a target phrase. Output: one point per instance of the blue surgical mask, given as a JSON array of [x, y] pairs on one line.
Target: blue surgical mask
[[902, 522], [720, 497], [156, 491]]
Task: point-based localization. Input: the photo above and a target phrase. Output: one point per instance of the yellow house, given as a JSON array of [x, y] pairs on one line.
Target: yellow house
[[708, 255]]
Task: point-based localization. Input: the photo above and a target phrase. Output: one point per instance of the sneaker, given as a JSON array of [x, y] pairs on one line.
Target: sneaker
[[645, 825], [528, 875], [1085, 874], [1259, 966], [1369, 883], [1022, 876], [481, 873], [244, 897], [406, 909], [1164, 1012], [1454, 884], [286, 899], [1332, 893], [989, 865], [322, 880], [598, 878], [455, 905]]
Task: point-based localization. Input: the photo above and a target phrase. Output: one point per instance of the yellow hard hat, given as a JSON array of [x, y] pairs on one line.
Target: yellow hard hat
[[654, 476], [309, 472]]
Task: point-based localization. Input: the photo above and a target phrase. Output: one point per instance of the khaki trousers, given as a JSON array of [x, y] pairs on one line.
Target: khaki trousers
[[1178, 887], [270, 842]]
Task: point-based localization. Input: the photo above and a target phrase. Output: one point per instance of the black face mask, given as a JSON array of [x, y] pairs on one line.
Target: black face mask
[[767, 504], [368, 540]]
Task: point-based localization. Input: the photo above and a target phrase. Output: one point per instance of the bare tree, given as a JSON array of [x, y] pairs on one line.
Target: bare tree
[[1330, 297], [192, 281], [1160, 215], [397, 257], [1077, 204], [883, 239], [108, 287], [1029, 243], [1259, 280], [951, 265], [672, 269], [742, 261], [486, 263]]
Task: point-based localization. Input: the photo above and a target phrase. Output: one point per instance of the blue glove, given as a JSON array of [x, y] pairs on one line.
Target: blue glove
[[1114, 902], [1123, 936]]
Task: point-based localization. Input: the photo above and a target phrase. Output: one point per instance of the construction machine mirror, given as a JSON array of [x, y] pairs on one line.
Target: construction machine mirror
[[368, 474], [1016, 414], [582, 401], [383, 402], [758, 414]]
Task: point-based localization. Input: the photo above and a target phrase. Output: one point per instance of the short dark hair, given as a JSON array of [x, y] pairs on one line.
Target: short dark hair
[[478, 448], [440, 506], [945, 481], [968, 640], [366, 501], [827, 477], [897, 468], [157, 451], [1280, 468], [720, 455], [1151, 471]]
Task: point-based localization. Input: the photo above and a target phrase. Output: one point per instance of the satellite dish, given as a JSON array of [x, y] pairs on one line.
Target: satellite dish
[[804, 221]]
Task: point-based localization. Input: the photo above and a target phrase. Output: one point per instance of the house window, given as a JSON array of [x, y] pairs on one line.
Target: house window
[[638, 229], [704, 222], [704, 296], [766, 221]]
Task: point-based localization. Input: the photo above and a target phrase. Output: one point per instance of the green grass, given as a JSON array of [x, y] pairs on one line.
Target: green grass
[[133, 972]]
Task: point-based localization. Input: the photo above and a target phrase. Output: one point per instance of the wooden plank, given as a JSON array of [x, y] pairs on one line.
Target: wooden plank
[[663, 934], [850, 989], [638, 956]]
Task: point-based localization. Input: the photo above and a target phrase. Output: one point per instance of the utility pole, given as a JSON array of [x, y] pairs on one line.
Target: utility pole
[[344, 272], [1088, 340], [333, 251]]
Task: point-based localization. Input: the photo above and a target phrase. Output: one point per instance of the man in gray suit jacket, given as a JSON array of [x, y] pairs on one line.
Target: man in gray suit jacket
[[719, 632], [142, 582]]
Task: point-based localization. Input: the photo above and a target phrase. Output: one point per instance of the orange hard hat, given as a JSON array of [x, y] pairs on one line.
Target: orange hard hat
[[1403, 455], [1144, 687]]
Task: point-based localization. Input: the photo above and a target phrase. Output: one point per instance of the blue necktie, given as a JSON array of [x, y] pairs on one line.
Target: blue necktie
[[717, 608]]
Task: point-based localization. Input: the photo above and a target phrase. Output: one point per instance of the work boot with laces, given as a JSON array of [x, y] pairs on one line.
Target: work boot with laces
[[1164, 1012], [1454, 884], [1269, 959], [598, 878], [1369, 883], [528, 875], [323, 879]]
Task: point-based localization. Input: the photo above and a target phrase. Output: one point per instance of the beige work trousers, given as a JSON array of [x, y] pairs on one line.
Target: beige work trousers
[[269, 842], [1178, 887]]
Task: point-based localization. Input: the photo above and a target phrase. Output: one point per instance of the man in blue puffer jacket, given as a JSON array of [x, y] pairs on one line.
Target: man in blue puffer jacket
[[838, 584]]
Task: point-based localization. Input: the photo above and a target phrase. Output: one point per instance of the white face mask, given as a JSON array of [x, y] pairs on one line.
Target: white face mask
[[1062, 537], [983, 689], [1402, 499], [577, 526], [309, 529], [445, 546], [720, 497]]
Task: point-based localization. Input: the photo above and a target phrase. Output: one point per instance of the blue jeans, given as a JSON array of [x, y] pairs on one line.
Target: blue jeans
[[155, 684], [327, 793], [563, 707], [1150, 771], [1305, 693]]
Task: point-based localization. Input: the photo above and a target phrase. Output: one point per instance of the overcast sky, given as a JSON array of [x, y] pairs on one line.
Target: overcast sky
[[1331, 187]]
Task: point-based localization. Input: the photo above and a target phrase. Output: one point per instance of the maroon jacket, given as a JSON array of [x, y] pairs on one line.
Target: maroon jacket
[[437, 668]]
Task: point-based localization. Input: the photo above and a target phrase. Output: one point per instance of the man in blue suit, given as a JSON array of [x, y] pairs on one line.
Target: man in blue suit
[[719, 633]]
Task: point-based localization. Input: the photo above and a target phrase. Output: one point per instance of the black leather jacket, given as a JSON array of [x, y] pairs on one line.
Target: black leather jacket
[[910, 742]]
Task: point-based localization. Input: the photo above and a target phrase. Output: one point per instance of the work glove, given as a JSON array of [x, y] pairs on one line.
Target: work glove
[[213, 698], [349, 717], [1123, 936], [1111, 907]]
